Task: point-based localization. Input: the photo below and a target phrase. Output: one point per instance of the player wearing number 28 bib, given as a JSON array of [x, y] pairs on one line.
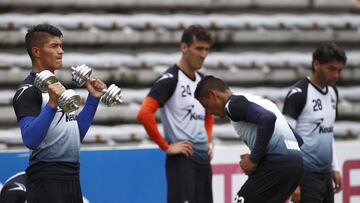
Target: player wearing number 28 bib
[[310, 108]]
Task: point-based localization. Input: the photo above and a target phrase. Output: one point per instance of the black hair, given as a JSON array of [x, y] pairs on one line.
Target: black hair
[[37, 35], [197, 31], [328, 52], [209, 83]]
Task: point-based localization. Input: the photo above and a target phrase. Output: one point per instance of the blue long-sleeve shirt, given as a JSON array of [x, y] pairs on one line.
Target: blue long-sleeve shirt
[[34, 129], [51, 134]]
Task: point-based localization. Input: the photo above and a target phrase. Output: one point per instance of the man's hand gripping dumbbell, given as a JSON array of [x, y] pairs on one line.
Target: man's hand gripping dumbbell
[[112, 95], [67, 100]]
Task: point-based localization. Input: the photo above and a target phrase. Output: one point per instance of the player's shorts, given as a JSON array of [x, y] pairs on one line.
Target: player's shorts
[[188, 181], [317, 187], [12, 196], [54, 191], [56, 182], [269, 185]]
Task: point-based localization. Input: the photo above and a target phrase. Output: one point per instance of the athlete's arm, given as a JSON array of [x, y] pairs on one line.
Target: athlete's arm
[[335, 166], [265, 121], [162, 89], [240, 109], [146, 116], [86, 116], [334, 163], [34, 129], [209, 123], [336, 176]]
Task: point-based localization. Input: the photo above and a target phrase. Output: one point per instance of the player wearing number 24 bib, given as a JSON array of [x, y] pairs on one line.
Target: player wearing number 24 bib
[[187, 126]]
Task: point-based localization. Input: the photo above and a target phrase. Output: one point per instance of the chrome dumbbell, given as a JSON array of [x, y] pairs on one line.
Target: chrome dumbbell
[[112, 95], [69, 101]]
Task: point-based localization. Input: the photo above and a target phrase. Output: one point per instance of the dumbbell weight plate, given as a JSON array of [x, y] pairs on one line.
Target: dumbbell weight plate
[[44, 79], [69, 101]]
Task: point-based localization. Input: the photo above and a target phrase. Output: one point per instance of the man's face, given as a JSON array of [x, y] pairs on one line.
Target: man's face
[[213, 104], [195, 53], [50, 53], [329, 73]]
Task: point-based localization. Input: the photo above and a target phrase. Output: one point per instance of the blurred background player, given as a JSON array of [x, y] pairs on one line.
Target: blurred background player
[[187, 126], [311, 108], [52, 135], [14, 190], [274, 165]]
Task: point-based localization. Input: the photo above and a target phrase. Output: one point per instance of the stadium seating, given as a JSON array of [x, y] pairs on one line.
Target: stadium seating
[[200, 4], [258, 68], [261, 47], [96, 29]]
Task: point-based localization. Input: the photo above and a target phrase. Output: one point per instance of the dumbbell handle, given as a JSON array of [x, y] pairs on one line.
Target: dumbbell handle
[[111, 94], [81, 74], [69, 101]]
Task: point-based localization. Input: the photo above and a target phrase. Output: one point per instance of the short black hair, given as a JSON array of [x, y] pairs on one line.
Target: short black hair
[[209, 83], [328, 52], [37, 35], [197, 31]]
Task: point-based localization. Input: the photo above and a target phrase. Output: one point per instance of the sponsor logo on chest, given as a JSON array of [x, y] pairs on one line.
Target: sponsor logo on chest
[[70, 117]]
